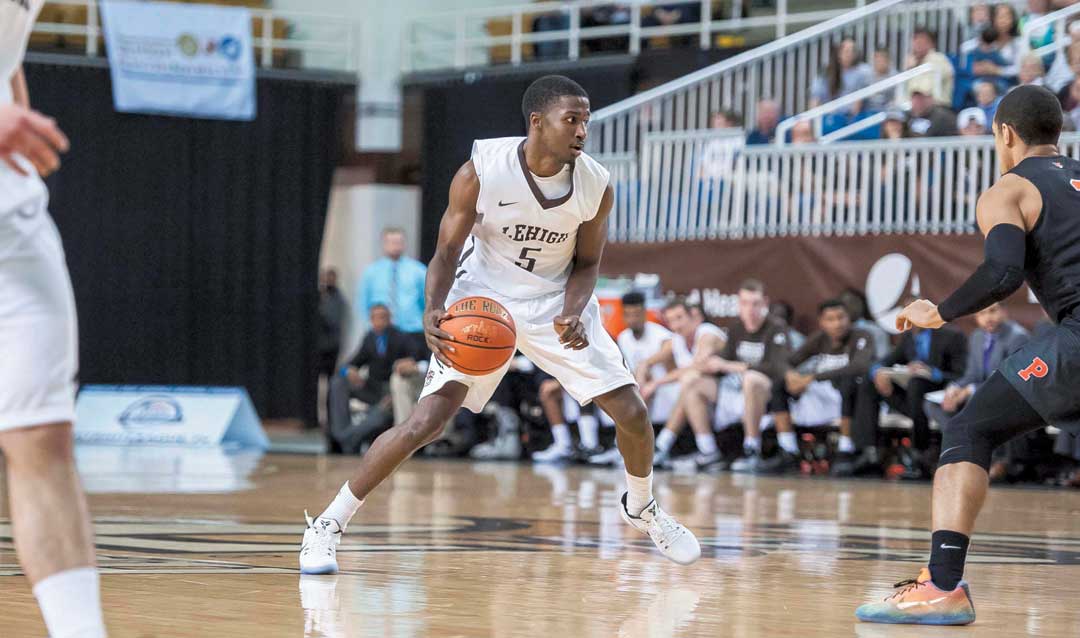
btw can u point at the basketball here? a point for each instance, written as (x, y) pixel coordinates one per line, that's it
(484, 335)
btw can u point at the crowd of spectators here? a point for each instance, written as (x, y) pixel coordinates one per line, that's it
(757, 397)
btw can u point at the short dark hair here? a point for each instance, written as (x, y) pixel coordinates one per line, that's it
(1034, 112)
(633, 298)
(829, 304)
(378, 306)
(547, 90)
(927, 32)
(752, 285)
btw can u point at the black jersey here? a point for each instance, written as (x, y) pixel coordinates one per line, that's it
(1052, 262)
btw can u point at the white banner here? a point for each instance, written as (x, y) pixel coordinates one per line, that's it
(181, 59)
(168, 415)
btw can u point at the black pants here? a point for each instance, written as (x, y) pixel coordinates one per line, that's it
(342, 431)
(908, 401)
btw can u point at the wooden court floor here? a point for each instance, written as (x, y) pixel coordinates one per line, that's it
(204, 544)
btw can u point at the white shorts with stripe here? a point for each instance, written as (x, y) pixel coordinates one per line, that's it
(584, 374)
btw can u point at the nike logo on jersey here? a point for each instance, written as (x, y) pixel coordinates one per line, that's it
(501, 204)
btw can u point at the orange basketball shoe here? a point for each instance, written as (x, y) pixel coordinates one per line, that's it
(920, 602)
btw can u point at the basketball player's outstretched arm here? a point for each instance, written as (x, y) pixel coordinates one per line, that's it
(29, 133)
(1004, 212)
(591, 237)
(457, 223)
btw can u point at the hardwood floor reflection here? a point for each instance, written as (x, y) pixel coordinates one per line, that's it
(204, 544)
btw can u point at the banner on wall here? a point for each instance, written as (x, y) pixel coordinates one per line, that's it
(804, 271)
(187, 416)
(181, 59)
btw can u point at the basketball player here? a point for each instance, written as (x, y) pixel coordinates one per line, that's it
(531, 216)
(38, 357)
(1032, 233)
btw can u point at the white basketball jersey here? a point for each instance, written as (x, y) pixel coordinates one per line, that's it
(523, 244)
(684, 353)
(16, 19)
(637, 350)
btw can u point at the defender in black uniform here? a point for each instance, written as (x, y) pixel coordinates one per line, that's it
(1031, 219)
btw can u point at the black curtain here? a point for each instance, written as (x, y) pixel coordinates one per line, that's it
(193, 244)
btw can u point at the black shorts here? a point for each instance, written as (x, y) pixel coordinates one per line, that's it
(1046, 372)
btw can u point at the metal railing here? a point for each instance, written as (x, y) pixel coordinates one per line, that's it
(781, 70)
(1058, 22)
(326, 41)
(707, 185)
(459, 39)
(815, 114)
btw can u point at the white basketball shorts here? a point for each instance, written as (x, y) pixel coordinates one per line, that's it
(584, 374)
(38, 329)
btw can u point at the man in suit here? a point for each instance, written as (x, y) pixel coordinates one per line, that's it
(995, 339)
(923, 361)
(384, 353)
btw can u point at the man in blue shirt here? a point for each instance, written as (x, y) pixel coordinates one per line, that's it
(923, 361)
(397, 282)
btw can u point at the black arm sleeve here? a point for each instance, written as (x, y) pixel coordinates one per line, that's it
(1000, 275)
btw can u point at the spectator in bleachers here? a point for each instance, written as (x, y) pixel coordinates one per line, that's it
(672, 13)
(927, 118)
(384, 352)
(768, 117)
(608, 15)
(1008, 43)
(845, 73)
(693, 342)
(822, 380)
(987, 98)
(1071, 105)
(882, 69)
(858, 309)
(995, 339)
(1039, 37)
(332, 315)
(803, 133)
(985, 61)
(895, 126)
(1065, 67)
(551, 49)
(1032, 70)
(397, 282)
(784, 313)
(738, 381)
(923, 361)
(725, 119)
(978, 20)
(971, 121)
(923, 51)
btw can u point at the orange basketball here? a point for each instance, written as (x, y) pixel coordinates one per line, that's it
(484, 335)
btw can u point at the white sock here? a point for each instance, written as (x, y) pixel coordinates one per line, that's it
(343, 507)
(70, 602)
(706, 443)
(562, 435)
(638, 492)
(752, 443)
(665, 440)
(845, 445)
(788, 442)
(588, 427)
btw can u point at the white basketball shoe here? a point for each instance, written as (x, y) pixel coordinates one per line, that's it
(318, 553)
(670, 536)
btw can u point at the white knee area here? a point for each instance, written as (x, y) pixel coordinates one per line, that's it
(70, 602)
